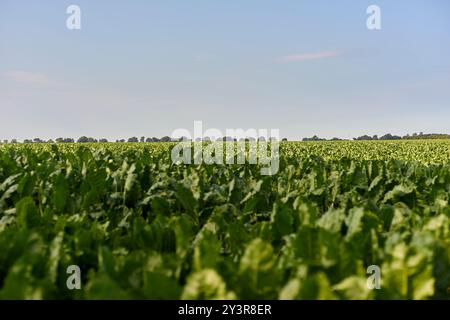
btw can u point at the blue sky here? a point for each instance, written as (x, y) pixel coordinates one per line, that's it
(149, 67)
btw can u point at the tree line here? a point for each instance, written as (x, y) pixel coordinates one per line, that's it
(414, 136)
(84, 139)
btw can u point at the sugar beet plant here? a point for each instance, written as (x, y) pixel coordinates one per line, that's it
(140, 227)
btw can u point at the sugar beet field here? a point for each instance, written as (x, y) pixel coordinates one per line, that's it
(138, 226)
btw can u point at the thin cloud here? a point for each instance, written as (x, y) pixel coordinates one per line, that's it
(28, 78)
(310, 56)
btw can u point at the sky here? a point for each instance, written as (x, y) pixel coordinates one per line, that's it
(147, 68)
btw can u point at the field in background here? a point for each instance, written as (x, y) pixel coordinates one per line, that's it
(141, 227)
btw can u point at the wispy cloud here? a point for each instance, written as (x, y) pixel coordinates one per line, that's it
(310, 56)
(28, 78)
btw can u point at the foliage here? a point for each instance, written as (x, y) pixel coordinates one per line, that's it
(141, 227)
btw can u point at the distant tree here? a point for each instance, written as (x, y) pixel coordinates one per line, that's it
(83, 139)
(65, 140)
(14, 141)
(103, 140)
(364, 137)
(27, 141)
(165, 139)
(428, 136)
(142, 139)
(284, 139)
(390, 137)
(50, 141)
(155, 139)
(314, 138)
(133, 139)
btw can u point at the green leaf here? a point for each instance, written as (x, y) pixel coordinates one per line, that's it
(60, 192)
(282, 220)
(354, 288)
(206, 285)
(102, 287)
(257, 270)
(158, 286)
(27, 213)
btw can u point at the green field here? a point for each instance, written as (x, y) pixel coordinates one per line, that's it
(140, 227)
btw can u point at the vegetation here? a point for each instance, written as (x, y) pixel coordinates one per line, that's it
(139, 226)
(387, 137)
(84, 139)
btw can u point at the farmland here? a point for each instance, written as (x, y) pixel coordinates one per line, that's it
(140, 227)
